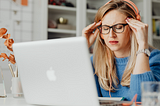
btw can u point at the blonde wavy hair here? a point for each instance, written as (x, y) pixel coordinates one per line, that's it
(103, 57)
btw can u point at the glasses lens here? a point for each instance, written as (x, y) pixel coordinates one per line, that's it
(118, 28)
(105, 29)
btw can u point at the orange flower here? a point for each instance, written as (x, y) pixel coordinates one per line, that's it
(11, 58)
(4, 56)
(2, 32)
(7, 36)
(10, 49)
(9, 43)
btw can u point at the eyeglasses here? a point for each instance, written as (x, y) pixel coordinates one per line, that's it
(117, 28)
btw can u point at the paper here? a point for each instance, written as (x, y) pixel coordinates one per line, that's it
(24, 2)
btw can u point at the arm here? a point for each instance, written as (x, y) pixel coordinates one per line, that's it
(145, 69)
(142, 63)
(141, 32)
(153, 75)
(88, 33)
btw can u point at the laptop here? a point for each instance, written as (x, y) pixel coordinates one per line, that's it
(56, 72)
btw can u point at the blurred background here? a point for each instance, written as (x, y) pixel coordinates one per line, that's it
(30, 20)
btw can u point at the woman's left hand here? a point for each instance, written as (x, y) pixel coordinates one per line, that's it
(141, 31)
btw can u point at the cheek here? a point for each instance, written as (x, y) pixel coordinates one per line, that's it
(126, 34)
(106, 40)
(125, 39)
(128, 31)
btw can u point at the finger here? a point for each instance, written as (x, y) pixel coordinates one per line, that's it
(136, 22)
(93, 36)
(97, 24)
(96, 32)
(133, 29)
(91, 27)
(132, 24)
(137, 26)
(141, 25)
(88, 29)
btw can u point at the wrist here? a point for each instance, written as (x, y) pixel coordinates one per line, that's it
(145, 51)
(143, 46)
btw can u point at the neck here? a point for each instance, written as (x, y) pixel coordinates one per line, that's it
(122, 53)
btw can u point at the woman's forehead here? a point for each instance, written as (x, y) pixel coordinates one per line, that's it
(113, 17)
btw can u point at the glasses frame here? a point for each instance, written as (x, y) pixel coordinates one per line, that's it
(100, 28)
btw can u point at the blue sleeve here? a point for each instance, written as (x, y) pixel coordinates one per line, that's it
(154, 63)
(153, 75)
(96, 80)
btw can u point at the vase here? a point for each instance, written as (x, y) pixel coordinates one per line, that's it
(16, 87)
(2, 85)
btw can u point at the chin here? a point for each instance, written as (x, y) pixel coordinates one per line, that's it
(114, 49)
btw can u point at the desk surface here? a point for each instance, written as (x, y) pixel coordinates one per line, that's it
(11, 101)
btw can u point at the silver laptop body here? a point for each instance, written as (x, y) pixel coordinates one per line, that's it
(56, 72)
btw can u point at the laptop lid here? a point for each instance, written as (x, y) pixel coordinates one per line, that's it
(56, 72)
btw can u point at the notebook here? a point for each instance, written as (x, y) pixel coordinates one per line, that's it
(56, 72)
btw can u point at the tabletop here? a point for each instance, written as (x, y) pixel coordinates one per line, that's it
(13, 101)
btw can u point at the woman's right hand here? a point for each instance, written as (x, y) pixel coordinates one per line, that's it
(87, 32)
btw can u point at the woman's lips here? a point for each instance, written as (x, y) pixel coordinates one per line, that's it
(113, 42)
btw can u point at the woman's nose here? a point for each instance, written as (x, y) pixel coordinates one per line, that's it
(112, 34)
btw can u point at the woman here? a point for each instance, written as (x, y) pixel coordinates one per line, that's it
(121, 57)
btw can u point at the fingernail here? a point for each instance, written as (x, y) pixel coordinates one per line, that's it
(127, 20)
(99, 22)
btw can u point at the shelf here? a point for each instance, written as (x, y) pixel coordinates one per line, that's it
(90, 11)
(61, 31)
(155, 17)
(156, 37)
(156, 1)
(62, 9)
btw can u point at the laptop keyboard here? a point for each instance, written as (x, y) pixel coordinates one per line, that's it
(112, 103)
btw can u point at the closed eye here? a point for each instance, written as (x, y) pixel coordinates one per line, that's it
(119, 26)
(105, 28)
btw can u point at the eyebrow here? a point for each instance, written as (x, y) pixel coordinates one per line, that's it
(115, 24)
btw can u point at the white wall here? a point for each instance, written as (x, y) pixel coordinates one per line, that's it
(18, 20)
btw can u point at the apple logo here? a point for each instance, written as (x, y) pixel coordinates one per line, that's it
(51, 74)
